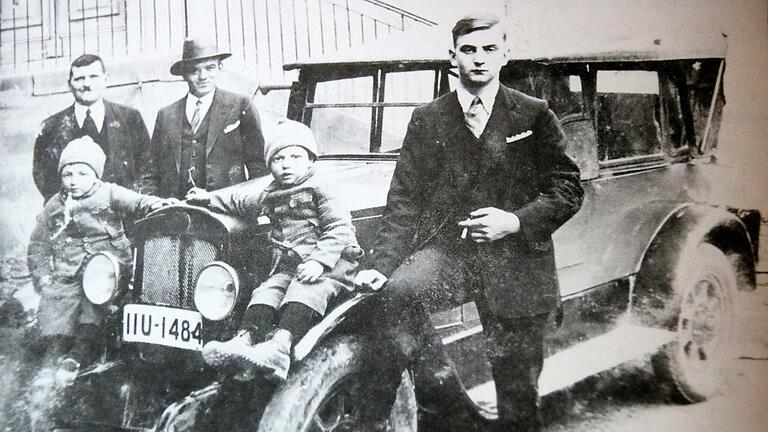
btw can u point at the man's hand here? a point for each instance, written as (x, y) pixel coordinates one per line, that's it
(490, 224)
(370, 280)
(198, 196)
(163, 203)
(309, 272)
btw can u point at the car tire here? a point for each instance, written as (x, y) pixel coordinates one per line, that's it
(705, 285)
(320, 394)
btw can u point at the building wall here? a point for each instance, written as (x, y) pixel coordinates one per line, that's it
(262, 34)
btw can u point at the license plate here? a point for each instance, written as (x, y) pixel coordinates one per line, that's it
(160, 325)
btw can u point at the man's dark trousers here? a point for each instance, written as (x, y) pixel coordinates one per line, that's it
(442, 275)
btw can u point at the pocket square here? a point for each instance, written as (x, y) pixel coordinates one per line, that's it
(231, 127)
(519, 136)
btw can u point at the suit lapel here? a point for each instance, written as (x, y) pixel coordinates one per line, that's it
(70, 124)
(177, 129)
(113, 124)
(502, 120)
(453, 120)
(517, 121)
(219, 109)
(460, 147)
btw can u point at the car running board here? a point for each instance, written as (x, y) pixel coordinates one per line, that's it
(571, 365)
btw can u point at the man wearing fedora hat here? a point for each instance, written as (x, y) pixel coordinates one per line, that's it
(210, 138)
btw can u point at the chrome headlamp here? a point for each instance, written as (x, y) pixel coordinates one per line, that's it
(101, 277)
(216, 290)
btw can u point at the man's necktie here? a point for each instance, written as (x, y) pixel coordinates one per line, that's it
(89, 126)
(196, 120)
(476, 117)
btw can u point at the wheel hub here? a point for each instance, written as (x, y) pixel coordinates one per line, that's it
(701, 319)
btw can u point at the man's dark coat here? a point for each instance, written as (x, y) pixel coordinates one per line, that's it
(127, 148)
(531, 176)
(234, 142)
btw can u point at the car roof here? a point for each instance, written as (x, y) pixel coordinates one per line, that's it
(430, 45)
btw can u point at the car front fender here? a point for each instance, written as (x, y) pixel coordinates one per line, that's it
(350, 310)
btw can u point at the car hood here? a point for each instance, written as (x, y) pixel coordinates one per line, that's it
(361, 185)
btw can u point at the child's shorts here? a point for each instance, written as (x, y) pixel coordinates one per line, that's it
(282, 288)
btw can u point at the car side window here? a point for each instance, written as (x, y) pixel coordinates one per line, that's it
(566, 96)
(701, 79)
(673, 122)
(403, 91)
(628, 112)
(567, 101)
(368, 114)
(340, 118)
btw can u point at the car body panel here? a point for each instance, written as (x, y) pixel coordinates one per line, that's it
(630, 208)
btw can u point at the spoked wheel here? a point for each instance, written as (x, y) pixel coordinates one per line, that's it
(325, 394)
(340, 410)
(695, 359)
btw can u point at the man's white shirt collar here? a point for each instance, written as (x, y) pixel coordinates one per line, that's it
(97, 113)
(487, 96)
(206, 100)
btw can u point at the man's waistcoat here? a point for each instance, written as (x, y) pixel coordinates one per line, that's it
(193, 155)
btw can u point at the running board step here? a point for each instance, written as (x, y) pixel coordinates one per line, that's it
(585, 359)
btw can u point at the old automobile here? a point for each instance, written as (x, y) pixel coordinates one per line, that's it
(650, 266)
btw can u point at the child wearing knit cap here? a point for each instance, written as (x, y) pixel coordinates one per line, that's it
(82, 219)
(314, 255)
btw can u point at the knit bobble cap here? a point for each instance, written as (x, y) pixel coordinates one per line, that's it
(287, 133)
(83, 150)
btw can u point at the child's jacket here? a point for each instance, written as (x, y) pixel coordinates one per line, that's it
(306, 217)
(94, 225)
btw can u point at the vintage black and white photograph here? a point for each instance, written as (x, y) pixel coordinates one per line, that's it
(383, 215)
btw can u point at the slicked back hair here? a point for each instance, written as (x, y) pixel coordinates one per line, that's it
(85, 60)
(471, 23)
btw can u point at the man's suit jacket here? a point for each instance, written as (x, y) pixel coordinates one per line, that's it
(127, 148)
(532, 177)
(234, 142)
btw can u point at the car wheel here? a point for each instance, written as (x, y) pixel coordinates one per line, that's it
(705, 285)
(324, 394)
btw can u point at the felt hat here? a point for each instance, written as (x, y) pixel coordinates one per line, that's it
(83, 150)
(194, 51)
(287, 133)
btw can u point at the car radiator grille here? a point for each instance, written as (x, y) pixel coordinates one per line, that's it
(171, 265)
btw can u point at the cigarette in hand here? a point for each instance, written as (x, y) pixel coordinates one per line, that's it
(465, 231)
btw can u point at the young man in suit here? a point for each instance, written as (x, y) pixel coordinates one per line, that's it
(210, 138)
(479, 229)
(119, 130)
